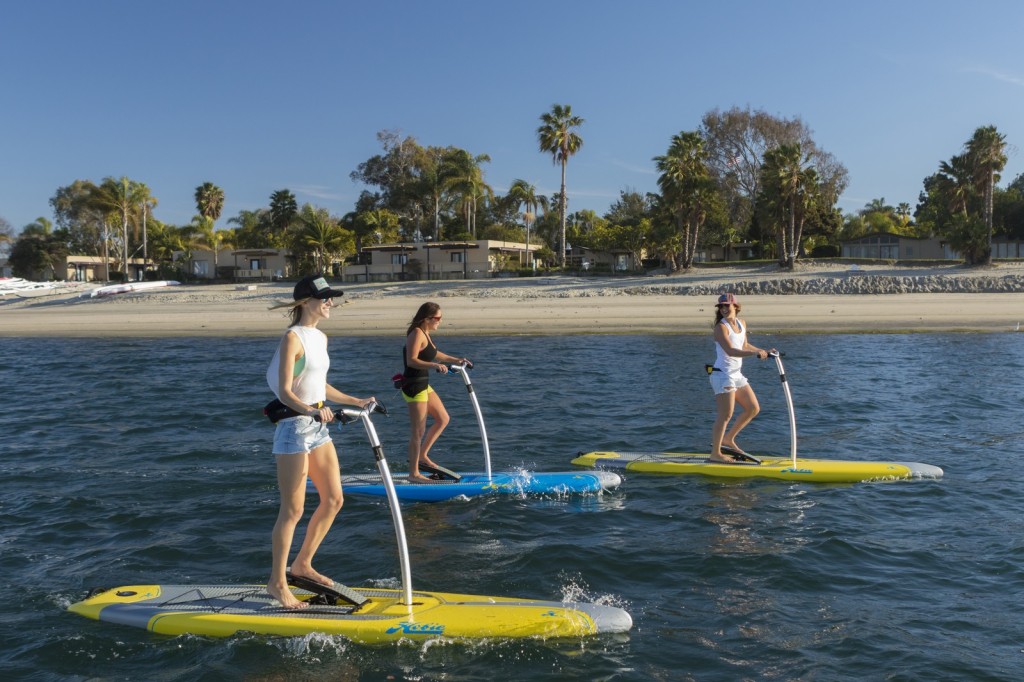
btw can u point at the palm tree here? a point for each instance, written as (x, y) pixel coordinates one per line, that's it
(122, 198)
(466, 178)
(147, 202)
(557, 135)
(209, 236)
(792, 190)
(526, 196)
(40, 227)
(209, 200)
(323, 234)
(987, 152)
(283, 210)
(903, 214)
(687, 188)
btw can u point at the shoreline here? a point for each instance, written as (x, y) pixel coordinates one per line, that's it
(560, 305)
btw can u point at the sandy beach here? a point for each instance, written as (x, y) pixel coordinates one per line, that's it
(550, 305)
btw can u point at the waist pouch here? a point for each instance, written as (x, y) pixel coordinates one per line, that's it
(711, 368)
(275, 411)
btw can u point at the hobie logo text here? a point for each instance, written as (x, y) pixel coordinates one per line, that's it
(417, 629)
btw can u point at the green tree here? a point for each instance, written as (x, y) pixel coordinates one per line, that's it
(252, 229)
(209, 201)
(737, 140)
(790, 191)
(320, 235)
(121, 199)
(558, 136)
(525, 195)
(987, 153)
(40, 227)
(688, 190)
(35, 256)
(465, 178)
(284, 210)
(206, 234)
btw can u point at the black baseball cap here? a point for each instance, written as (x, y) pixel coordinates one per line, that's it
(315, 286)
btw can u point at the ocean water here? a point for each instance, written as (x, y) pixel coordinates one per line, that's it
(147, 460)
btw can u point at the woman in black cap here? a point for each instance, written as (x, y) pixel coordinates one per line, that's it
(303, 446)
(728, 382)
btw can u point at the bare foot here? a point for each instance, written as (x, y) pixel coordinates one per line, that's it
(723, 459)
(285, 596)
(419, 478)
(310, 574)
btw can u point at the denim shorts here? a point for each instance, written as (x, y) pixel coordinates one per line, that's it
(299, 435)
(723, 381)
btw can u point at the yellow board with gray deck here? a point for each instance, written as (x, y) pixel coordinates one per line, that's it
(223, 610)
(781, 468)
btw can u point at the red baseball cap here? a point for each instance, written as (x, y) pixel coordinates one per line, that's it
(727, 298)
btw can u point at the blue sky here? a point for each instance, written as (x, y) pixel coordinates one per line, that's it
(255, 96)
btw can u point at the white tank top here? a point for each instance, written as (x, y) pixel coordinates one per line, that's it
(724, 361)
(310, 379)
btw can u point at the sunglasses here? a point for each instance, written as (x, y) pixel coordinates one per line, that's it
(435, 317)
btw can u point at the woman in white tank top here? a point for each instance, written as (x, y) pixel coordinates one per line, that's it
(302, 446)
(728, 382)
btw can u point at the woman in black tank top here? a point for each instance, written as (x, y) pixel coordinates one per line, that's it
(419, 357)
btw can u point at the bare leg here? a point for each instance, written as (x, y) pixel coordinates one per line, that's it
(417, 426)
(748, 401)
(326, 476)
(725, 404)
(436, 410)
(291, 480)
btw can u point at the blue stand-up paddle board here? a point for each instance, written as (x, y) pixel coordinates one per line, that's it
(446, 484)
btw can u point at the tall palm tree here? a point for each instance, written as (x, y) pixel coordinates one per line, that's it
(792, 189)
(526, 195)
(122, 198)
(210, 203)
(283, 211)
(557, 135)
(687, 187)
(466, 178)
(987, 152)
(147, 202)
(209, 200)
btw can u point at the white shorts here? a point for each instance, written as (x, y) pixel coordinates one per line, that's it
(723, 382)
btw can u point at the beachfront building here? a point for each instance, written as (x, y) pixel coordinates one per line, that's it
(888, 246)
(236, 264)
(91, 269)
(477, 259)
(585, 259)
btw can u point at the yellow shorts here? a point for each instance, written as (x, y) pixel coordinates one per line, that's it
(420, 397)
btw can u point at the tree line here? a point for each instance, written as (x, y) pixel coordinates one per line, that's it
(743, 177)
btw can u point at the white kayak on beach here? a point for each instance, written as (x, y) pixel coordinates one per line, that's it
(131, 287)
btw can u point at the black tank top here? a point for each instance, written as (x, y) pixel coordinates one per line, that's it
(417, 380)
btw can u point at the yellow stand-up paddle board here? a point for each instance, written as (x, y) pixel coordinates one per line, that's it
(367, 615)
(782, 468)
(790, 468)
(223, 610)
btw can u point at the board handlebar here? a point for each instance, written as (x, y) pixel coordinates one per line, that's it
(346, 414)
